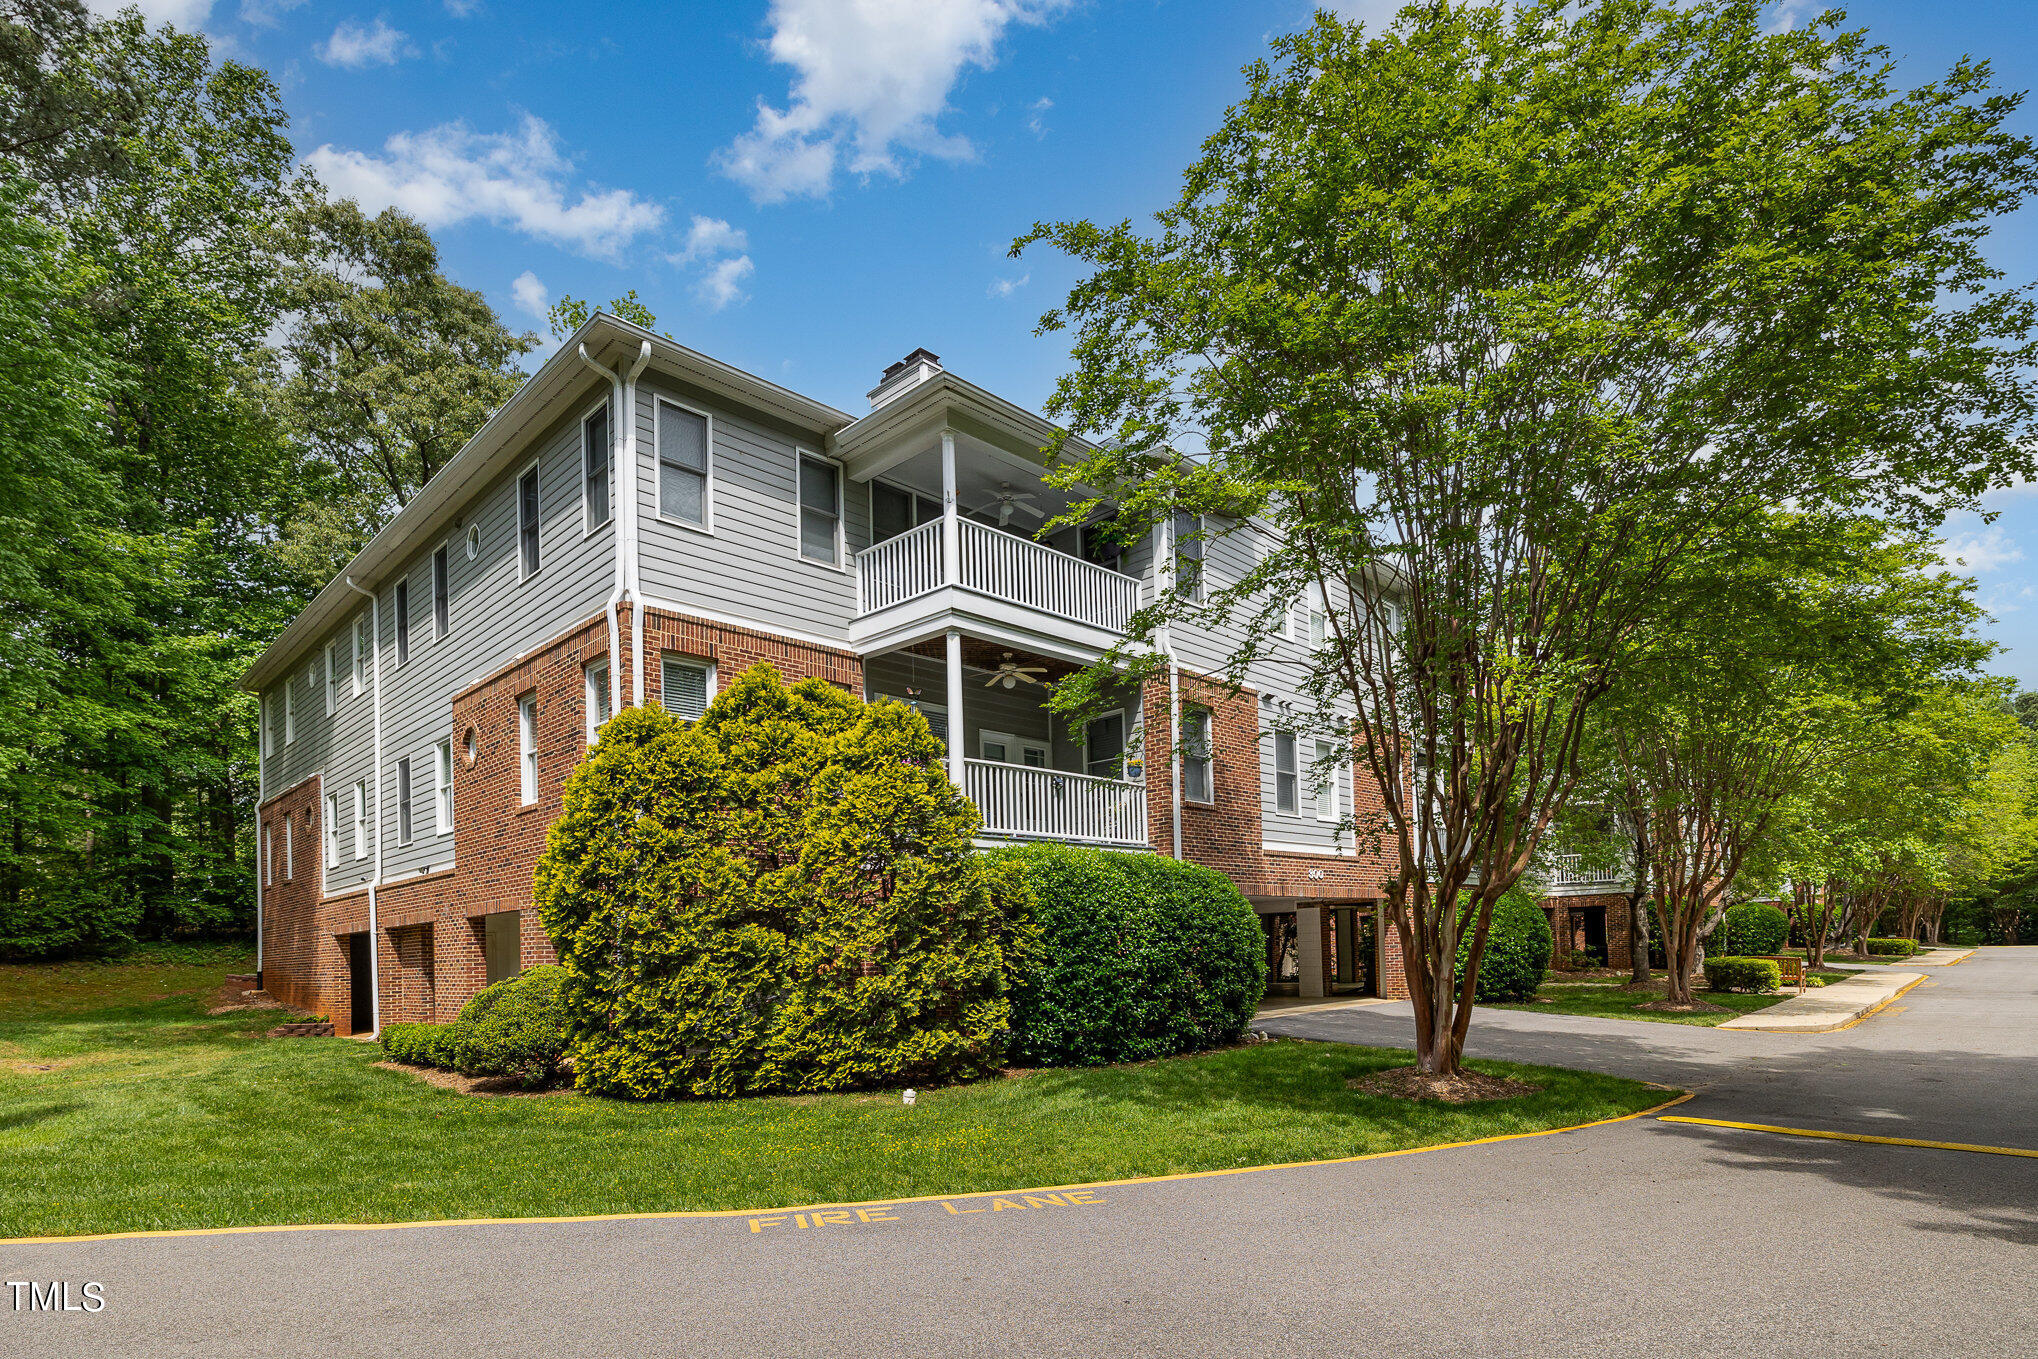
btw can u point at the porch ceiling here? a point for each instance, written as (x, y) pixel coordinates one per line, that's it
(978, 654)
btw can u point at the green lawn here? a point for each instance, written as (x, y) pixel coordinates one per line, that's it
(1604, 998)
(143, 1113)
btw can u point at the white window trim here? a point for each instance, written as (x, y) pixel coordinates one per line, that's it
(595, 689)
(1126, 755)
(406, 789)
(399, 621)
(360, 819)
(432, 569)
(589, 528)
(1295, 747)
(267, 718)
(707, 524)
(1018, 745)
(332, 830)
(358, 674)
(442, 787)
(289, 850)
(289, 714)
(1328, 789)
(1202, 558)
(268, 856)
(1190, 715)
(527, 748)
(687, 658)
(517, 507)
(841, 562)
(332, 677)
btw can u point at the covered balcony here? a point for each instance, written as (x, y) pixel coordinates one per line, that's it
(1030, 776)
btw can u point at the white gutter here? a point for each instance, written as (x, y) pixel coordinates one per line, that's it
(374, 932)
(1164, 562)
(617, 591)
(636, 588)
(261, 795)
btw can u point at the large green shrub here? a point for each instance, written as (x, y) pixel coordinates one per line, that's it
(1136, 957)
(423, 1044)
(1753, 928)
(1518, 945)
(1727, 973)
(778, 897)
(1893, 948)
(516, 1027)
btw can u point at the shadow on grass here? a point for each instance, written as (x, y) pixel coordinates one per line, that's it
(33, 1114)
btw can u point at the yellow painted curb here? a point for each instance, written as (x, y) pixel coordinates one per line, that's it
(807, 1207)
(1878, 1008)
(1853, 1137)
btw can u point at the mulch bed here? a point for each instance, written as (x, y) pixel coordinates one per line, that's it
(502, 1086)
(1467, 1087)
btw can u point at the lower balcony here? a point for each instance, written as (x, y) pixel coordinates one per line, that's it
(1019, 802)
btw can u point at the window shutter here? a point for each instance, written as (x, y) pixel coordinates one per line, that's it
(683, 689)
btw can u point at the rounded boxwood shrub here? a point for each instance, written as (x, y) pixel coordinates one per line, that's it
(422, 1044)
(516, 1027)
(1893, 948)
(1728, 973)
(1136, 957)
(1518, 946)
(1753, 928)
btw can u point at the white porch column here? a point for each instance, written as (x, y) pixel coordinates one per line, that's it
(1309, 950)
(956, 749)
(951, 530)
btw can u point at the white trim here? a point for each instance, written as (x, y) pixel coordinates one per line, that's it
(1283, 847)
(687, 658)
(587, 530)
(332, 678)
(442, 787)
(1189, 712)
(517, 499)
(707, 523)
(594, 688)
(1018, 745)
(289, 848)
(1331, 788)
(361, 819)
(399, 621)
(268, 856)
(406, 789)
(750, 624)
(1124, 747)
(359, 669)
(289, 713)
(446, 547)
(1294, 772)
(841, 562)
(332, 820)
(527, 748)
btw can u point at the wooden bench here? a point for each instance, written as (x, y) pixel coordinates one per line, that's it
(1789, 970)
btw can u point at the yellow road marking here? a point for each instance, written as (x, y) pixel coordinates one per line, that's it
(739, 1213)
(1852, 1137)
(1870, 1014)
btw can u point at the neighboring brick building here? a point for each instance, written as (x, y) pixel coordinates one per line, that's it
(420, 717)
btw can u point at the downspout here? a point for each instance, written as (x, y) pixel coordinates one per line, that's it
(636, 586)
(616, 591)
(1163, 560)
(374, 932)
(261, 796)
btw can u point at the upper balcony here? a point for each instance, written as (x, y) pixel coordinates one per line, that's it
(1568, 878)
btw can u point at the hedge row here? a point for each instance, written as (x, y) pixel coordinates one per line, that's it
(1893, 948)
(513, 1028)
(1727, 973)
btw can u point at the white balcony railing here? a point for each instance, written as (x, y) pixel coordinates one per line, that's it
(1566, 873)
(1049, 804)
(1000, 565)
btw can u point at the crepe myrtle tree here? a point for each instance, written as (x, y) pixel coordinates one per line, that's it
(1504, 311)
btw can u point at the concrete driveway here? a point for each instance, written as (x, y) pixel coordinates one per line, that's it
(1638, 1238)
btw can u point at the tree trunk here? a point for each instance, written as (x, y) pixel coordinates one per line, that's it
(1638, 940)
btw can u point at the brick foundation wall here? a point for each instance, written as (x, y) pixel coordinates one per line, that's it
(1568, 933)
(304, 951)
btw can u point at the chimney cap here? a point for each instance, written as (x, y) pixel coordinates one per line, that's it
(921, 355)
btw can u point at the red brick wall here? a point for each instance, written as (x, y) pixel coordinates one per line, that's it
(1569, 934)
(304, 954)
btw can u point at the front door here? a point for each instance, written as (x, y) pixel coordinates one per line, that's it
(361, 979)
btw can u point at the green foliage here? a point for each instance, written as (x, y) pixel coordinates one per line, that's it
(1754, 927)
(569, 313)
(1518, 946)
(516, 1027)
(1726, 973)
(436, 1045)
(1137, 957)
(1893, 948)
(779, 897)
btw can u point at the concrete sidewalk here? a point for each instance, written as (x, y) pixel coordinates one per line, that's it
(1942, 957)
(1830, 1007)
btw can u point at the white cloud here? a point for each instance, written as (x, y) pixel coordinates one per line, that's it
(1005, 287)
(451, 174)
(532, 295)
(266, 13)
(871, 78)
(717, 250)
(187, 15)
(463, 9)
(1980, 553)
(358, 48)
(1036, 115)
(723, 283)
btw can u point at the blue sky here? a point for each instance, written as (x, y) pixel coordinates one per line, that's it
(811, 188)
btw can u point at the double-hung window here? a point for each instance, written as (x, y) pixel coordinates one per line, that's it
(289, 713)
(442, 592)
(1286, 777)
(268, 855)
(527, 745)
(403, 801)
(684, 451)
(1189, 556)
(1327, 780)
(596, 447)
(268, 726)
(683, 688)
(1196, 758)
(597, 683)
(289, 850)
(527, 522)
(442, 785)
(820, 493)
(332, 678)
(332, 830)
(361, 818)
(403, 622)
(361, 653)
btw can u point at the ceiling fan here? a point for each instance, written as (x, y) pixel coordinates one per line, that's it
(1008, 500)
(1010, 672)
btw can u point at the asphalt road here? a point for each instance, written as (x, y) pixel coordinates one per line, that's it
(1638, 1238)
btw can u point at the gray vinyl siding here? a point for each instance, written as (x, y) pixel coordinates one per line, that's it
(340, 748)
(495, 616)
(749, 567)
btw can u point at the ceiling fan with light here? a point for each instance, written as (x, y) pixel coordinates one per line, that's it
(1006, 501)
(1010, 672)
